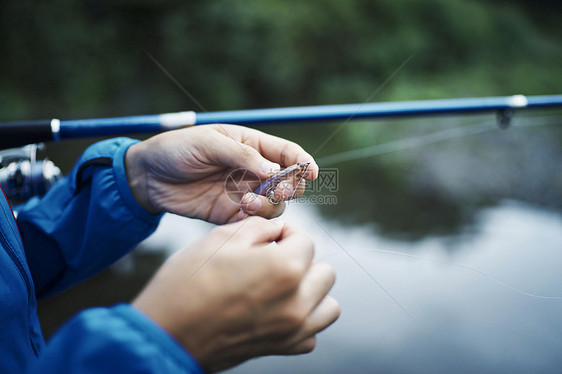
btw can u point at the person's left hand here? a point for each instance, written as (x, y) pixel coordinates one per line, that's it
(190, 171)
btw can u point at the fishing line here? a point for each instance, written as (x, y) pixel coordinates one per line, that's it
(488, 276)
(363, 268)
(422, 140)
(188, 94)
(370, 98)
(419, 141)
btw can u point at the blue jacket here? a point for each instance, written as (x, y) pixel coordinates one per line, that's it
(86, 222)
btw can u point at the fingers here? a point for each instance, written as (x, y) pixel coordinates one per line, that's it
(254, 230)
(237, 155)
(256, 205)
(327, 312)
(285, 152)
(273, 148)
(288, 190)
(316, 284)
(252, 204)
(270, 207)
(299, 293)
(323, 310)
(304, 346)
(296, 245)
(243, 148)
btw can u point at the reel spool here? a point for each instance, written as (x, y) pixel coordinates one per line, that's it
(23, 177)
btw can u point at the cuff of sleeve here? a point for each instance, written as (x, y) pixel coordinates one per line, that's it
(123, 185)
(155, 333)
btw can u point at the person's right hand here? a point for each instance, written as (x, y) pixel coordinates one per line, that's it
(232, 296)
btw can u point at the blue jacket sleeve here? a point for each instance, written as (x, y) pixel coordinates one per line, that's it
(113, 340)
(87, 221)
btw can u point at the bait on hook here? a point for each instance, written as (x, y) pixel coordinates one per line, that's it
(289, 174)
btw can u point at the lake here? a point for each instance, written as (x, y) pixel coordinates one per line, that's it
(461, 320)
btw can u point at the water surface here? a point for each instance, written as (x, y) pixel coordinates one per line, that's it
(462, 321)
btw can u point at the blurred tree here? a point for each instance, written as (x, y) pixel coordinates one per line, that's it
(78, 59)
(88, 58)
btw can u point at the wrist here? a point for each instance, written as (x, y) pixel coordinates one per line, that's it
(137, 177)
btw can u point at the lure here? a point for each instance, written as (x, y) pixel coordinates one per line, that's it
(290, 173)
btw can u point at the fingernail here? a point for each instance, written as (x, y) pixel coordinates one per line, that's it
(270, 168)
(250, 202)
(242, 215)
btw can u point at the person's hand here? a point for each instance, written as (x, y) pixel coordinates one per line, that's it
(234, 296)
(187, 172)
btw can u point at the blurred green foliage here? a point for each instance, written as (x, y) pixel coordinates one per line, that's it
(93, 58)
(90, 58)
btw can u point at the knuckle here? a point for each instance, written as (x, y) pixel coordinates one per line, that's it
(248, 153)
(288, 273)
(309, 345)
(283, 155)
(238, 230)
(294, 318)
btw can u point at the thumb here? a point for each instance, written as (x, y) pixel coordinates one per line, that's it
(239, 155)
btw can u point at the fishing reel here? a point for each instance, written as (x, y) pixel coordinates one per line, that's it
(22, 176)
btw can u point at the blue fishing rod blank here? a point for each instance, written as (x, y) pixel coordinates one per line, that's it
(19, 133)
(377, 110)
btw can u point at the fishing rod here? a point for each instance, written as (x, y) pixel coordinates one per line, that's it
(15, 134)
(23, 176)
